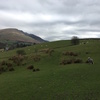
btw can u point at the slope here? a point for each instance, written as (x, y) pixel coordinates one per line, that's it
(53, 81)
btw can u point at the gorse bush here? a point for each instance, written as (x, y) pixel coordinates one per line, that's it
(78, 60)
(17, 59)
(2, 69)
(37, 69)
(70, 53)
(30, 67)
(3, 62)
(47, 51)
(36, 58)
(6, 66)
(9, 65)
(70, 61)
(11, 69)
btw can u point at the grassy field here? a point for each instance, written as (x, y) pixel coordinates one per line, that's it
(76, 81)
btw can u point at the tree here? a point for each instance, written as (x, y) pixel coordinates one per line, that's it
(75, 40)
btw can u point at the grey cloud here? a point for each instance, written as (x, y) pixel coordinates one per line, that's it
(52, 19)
(89, 30)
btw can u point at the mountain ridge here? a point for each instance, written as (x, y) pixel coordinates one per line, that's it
(13, 34)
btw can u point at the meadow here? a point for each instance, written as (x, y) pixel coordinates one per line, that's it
(53, 80)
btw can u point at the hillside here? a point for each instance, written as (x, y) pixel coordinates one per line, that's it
(48, 79)
(18, 35)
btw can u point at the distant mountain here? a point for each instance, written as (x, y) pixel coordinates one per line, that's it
(34, 37)
(12, 34)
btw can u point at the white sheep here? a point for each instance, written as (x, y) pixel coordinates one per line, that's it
(90, 60)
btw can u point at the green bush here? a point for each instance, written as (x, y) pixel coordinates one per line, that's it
(20, 52)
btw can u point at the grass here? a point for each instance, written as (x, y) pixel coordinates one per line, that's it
(53, 81)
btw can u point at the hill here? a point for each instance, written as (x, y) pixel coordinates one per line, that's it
(47, 78)
(11, 34)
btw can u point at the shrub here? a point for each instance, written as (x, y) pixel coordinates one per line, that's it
(75, 54)
(63, 62)
(9, 64)
(20, 52)
(36, 58)
(70, 61)
(11, 69)
(24, 64)
(78, 61)
(87, 61)
(47, 51)
(3, 68)
(87, 52)
(30, 67)
(17, 59)
(3, 62)
(37, 69)
(70, 53)
(51, 51)
(34, 70)
(66, 53)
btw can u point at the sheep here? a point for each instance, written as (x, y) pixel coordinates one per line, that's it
(90, 60)
(1, 50)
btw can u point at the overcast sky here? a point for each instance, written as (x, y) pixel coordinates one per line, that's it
(52, 19)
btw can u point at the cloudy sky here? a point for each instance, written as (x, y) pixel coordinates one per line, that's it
(52, 19)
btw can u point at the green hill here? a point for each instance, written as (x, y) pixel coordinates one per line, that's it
(52, 80)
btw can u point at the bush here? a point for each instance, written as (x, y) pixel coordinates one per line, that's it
(3, 69)
(17, 59)
(87, 61)
(9, 64)
(36, 58)
(51, 51)
(78, 61)
(66, 53)
(70, 53)
(63, 62)
(3, 62)
(20, 52)
(87, 52)
(30, 67)
(37, 69)
(34, 70)
(11, 69)
(70, 61)
(47, 51)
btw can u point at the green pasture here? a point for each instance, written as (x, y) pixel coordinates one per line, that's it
(79, 81)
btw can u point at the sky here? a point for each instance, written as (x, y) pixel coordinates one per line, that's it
(52, 19)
